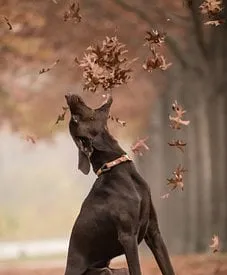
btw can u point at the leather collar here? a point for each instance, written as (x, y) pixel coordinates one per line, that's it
(108, 165)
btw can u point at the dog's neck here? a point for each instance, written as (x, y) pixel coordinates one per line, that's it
(110, 152)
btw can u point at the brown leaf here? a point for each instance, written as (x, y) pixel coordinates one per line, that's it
(116, 119)
(73, 13)
(177, 179)
(105, 65)
(215, 244)
(215, 22)
(139, 146)
(165, 196)
(211, 7)
(156, 61)
(8, 23)
(44, 70)
(61, 117)
(76, 60)
(179, 144)
(177, 120)
(154, 37)
(30, 138)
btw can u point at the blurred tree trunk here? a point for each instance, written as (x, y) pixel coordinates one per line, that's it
(224, 187)
(203, 178)
(191, 194)
(156, 165)
(217, 131)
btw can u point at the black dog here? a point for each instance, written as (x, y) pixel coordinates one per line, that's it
(118, 212)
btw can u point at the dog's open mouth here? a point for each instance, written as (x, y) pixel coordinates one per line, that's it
(85, 144)
(77, 105)
(73, 99)
(84, 141)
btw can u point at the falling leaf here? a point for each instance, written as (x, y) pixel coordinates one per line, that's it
(215, 244)
(76, 60)
(44, 70)
(179, 144)
(30, 138)
(211, 7)
(156, 61)
(165, 196)
(61, 117)
(8, 23)
(139, 146)
(73, 13)
(215, 22)
(177, 180)
(177, 120)
(105, 65)
(154, 37)
(116, 119)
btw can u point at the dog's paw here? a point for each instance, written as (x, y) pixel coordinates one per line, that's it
(120, 271)
(99, 271)
(107, 271)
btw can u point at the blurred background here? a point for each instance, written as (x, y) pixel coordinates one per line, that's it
(41, 190)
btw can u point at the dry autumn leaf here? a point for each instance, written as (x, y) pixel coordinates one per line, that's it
(117, 119)
(165, 196)
(154, 37)
(211, 7)
(106, 65)
(30, 138)
(139, 146)
(177, 180)
(73, 13)
(44, 70)
(177, 120)
(8, 23)
(215, 244)
(156, 61)
(215, 22)
(179, 144)
(61, 117)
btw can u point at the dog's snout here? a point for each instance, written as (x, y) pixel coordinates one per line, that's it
(68, 95)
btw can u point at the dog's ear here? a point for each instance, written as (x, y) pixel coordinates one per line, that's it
(103, 111)
(84, 163)
(83, 155)
(85, 150)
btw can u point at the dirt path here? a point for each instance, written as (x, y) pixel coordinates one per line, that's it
(184, 265)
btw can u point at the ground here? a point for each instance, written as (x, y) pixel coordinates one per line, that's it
(184, 265)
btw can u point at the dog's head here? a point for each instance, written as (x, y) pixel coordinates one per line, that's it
(86, 127)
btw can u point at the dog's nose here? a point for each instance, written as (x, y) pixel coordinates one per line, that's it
(68, 95)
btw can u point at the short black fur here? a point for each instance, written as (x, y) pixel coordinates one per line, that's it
(118, 212)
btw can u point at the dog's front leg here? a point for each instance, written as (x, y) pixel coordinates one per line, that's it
(130, 245)
(155, 242)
